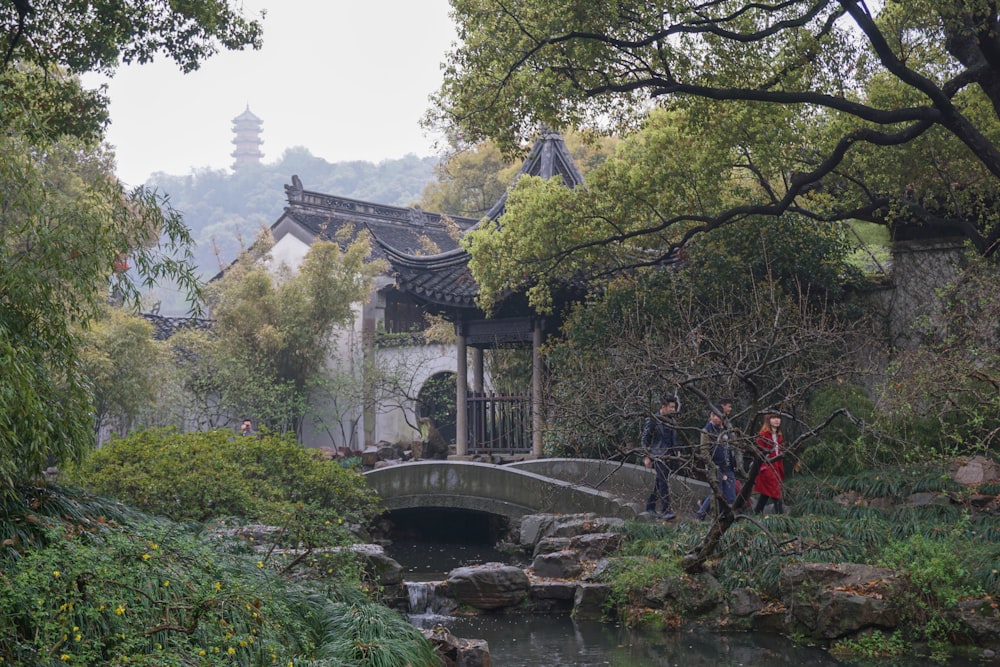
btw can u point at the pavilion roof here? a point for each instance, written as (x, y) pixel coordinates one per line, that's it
(408, 229)
(444, 279)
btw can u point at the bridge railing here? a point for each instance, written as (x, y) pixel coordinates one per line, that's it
(499, 424)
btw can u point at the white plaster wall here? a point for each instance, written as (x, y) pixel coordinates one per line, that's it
(338, 420)
(288, 250)
(415, 363)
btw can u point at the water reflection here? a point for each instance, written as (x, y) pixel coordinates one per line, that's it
(556, 641)
(548, 641)
(432, 561)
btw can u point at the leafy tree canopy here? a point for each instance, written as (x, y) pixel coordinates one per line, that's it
(471, 179)
(99, 36)
(67, 225)
(275, 326)
(827, 108)
(550, 234)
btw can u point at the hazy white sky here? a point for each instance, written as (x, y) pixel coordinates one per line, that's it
(347, 79)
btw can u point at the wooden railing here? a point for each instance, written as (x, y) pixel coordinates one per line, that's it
(499, 424)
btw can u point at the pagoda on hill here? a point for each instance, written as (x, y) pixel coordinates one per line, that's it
(246, 127)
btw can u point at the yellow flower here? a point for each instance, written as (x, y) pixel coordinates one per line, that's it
(78, 636)
(101, 608)
(56, 574)
(231, 650)
(146, 556)
(75, 628)
(260, 564)
(120, 610)
(202, 652)
(218, 585)
(153, 545)
(166, 583)
(64, 657)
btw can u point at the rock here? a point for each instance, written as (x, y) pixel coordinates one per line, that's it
(369, 456)
(456, 652)
(535, 527)
(489, 586)
(832, 600)
(589, 600)
(744, 602)
(925, 498)
(574, 525)
(684, 594)
(980, 621)
(384, 569)
(548, 545)
(552, 597)
(974, 471)
(553, 590)
(595, 546)
(563, 564)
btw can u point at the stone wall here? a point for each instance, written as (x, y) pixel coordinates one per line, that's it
(910, 305)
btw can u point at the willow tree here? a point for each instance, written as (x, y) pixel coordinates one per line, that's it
(68, 227)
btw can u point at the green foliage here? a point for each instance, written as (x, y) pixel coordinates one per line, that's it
(829, 110)
(66, 222)
(940, 397)
(96, 584)
(370, 635)
(100, 36)
(845, 446)
(875, 644)
(209, 475)
(472, 179)
(123, 365)
(274, 330)
(693, 333)
(935, 579)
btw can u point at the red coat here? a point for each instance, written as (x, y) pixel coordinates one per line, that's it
(772, 473)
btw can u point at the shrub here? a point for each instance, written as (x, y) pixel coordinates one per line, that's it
(210, 475)
(936, 577)
(843, 447)
(91, 583)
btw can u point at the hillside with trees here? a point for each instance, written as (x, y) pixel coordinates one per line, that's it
(225, 210)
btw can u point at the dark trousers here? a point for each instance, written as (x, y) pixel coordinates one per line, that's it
(779, 507)
(661, 488)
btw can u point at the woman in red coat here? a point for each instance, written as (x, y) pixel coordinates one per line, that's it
(772, 472)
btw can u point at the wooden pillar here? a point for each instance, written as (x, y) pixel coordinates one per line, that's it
(477, 370)
(461, 398)
(536, 389)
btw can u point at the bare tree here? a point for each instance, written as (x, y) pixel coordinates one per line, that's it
(767, 349)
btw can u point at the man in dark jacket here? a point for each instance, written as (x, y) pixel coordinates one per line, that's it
(715, 439)
(659, 442)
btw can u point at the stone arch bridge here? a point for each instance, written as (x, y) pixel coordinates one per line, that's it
(540, 486)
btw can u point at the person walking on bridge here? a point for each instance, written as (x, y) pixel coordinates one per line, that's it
(659, 443)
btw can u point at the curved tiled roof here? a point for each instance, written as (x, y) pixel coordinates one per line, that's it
(409, 230)
(165, 327)
(444, 279)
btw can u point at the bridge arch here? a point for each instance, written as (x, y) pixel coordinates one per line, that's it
(486, 487)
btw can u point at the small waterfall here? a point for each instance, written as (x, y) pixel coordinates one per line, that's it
(425, 607)
(421, 595)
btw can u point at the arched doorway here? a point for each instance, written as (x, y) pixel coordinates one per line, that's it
(436, 402)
